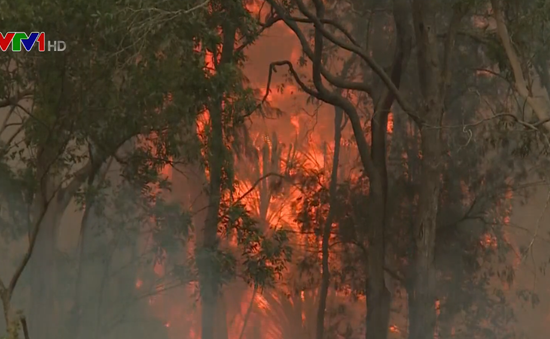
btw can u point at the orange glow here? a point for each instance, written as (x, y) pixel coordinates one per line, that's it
(484, 73)
(158, 268)
(269, 97)
(394, 329)
(390, 123)
(298, 131)
(489, 241)
(311, 139)
(296, 123)
(253, 6)
(209, 62)
(261, 303)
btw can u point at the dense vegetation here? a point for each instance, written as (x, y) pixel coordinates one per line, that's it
(143, 193)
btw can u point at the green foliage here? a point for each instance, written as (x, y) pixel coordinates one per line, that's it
(171, 226)
(264, 255)
(13, 331)
(128, 90)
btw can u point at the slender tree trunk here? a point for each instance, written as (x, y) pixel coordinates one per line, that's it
(422, 313)
(209, 274)
(90, 276)
(101, 296)
(433, 79)
(378, 294)
(248, 312)
(43, 262)
(92, 260)
(325, 282)
(79, 290)
(54, 200)
(43, 278)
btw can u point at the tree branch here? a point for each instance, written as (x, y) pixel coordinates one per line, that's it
(446, 70)
(273, 69)
(6, 293)
(331, 97)
(14, 100)
(349, 47)
(331, 78)
(540, 104)
(28, 254)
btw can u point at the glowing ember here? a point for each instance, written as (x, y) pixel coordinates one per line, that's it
(390, 123)
(394, 329)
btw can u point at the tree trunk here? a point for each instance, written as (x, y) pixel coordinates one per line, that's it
(91, 273)
(209, 274)
(325, 279)
(378, 295)
(43, 313)
(50, 201)
(422, 313)
(433, 80)
(207, 271)
(92, 261)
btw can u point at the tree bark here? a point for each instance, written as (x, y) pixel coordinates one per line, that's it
(208, 275)
(325, 278)
(422, 313)
(92, 260)
(43, 278)
(91, 273)
(378, 295)
(434, 79)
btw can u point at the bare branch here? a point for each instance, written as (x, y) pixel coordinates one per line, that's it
(25, 327)
(529, 248)
(6, 119)
(331, 22)
(28, 254)
(6, 293)
(194, 8)
(273, 69)
(14, 100)
(347, 46)
(322, 93)
(296, 77)
(331, 78)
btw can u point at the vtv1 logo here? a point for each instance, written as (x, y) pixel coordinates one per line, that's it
(20, 41)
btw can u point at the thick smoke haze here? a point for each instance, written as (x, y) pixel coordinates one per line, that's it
(121, 259)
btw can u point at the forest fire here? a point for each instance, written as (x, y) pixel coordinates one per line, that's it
(276, 170)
